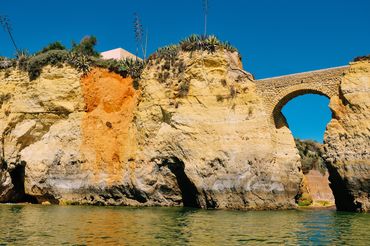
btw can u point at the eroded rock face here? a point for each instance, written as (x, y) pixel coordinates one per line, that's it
(6, 186)
(195, 134)
(31, 112)
(347, 140)
(204, 129)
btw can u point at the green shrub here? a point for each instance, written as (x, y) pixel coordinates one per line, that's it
(126, 67)
(304, 203)
(86, 47)
(52, 46)
(84, 63)
(112, 65)
(52, 57)
(305, 200)
(362, 58)
(82, 56)
(311, 154)
(183, 89)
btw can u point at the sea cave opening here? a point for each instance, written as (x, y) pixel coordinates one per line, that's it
(18, 175)
(189, 192)
(307, 115)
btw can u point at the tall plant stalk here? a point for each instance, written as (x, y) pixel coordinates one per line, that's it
(5, 22)
(139, 36)
(205, 11)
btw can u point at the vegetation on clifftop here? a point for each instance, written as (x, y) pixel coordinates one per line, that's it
(362, 58)
(171, 65)
(83, 57)
(209, 43)
(52, 46)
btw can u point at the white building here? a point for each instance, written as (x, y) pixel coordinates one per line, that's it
(118, 54)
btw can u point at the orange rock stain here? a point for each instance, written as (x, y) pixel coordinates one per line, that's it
(108, 135)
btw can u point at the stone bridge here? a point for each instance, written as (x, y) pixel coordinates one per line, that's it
(277, 91)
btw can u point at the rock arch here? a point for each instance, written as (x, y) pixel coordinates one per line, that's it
(277, 91)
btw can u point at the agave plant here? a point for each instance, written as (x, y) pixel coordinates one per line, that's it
(212, 40)
(227, 46)
(211, 43)
(80, 61)
(208, 43)
(168, 52)
(22, 58)
(192, 43)
(133, 67)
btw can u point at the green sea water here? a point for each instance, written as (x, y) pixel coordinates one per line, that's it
(79, 225)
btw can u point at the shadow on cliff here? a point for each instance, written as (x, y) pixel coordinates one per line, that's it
(188, 190)
(344, 200)
(18, 192)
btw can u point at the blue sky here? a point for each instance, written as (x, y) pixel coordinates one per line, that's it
(275, 37)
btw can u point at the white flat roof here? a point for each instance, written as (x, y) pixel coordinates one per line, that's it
(117, 54)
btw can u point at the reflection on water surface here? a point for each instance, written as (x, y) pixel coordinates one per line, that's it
(35, 225)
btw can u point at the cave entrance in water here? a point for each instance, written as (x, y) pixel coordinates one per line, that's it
(189, 192)
(17, 175)
(307, 116)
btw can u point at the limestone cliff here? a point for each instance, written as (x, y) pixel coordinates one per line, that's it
(48, 110)
(206, 141)
(347, 140)
(195, 134)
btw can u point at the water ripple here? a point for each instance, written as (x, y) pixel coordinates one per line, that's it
(77, 225)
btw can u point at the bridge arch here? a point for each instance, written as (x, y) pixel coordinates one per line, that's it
(278, 91)
(292, 92)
